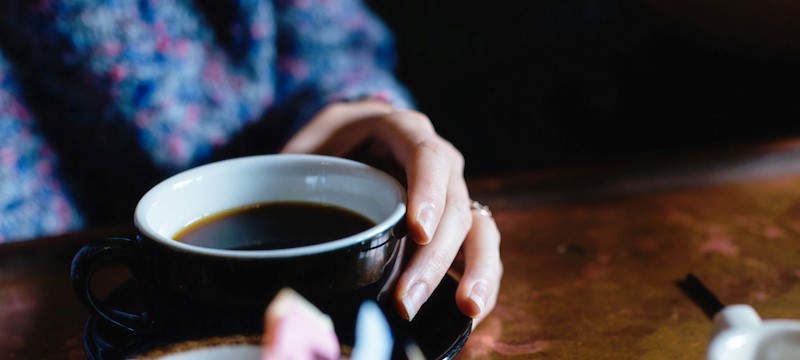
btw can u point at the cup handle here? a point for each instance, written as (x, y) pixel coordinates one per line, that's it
(92, 256)
(738, 316)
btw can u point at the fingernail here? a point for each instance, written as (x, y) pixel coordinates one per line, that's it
(413, 299)
(478, 295)
(426, 220)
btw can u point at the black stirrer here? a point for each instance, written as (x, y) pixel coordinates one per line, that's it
(700, 295)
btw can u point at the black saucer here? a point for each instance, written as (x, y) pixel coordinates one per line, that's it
(439, 329)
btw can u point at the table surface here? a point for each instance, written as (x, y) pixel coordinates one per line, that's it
(593, 256)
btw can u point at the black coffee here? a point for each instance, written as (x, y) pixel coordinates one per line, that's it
(274, 225)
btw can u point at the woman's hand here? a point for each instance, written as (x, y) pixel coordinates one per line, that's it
(447, 231)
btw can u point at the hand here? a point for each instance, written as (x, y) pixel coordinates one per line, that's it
(445, 230)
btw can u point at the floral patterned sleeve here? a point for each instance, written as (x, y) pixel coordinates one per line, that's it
(188, 76)
(99, 99)
(32, 199)
(335, 51)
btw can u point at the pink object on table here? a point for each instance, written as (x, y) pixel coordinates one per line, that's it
(296, 329)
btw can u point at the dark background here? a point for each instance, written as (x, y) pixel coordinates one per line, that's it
(524, 84)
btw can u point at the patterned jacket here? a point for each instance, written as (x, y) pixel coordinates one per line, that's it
(100, 99)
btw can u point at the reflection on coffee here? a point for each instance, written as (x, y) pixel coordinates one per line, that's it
(274, 225)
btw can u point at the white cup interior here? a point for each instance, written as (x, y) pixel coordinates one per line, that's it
(194, 194)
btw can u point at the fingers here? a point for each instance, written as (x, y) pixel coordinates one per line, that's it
(479, 284)
(430, 263)
(337, 129)
(439, 218)
(429, 175)
(477, 291)
(438, 214)
(432, 165)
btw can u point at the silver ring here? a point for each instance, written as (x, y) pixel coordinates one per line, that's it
(482, 209)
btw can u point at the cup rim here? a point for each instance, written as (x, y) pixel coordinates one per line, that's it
(387, 224)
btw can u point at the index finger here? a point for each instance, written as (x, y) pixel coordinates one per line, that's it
(429, 162)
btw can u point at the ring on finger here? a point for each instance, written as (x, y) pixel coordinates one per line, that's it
(482, 209)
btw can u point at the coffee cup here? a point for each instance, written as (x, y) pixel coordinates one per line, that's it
(741, 334)
(229, 282)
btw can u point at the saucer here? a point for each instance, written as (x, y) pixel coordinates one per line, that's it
(439, 329)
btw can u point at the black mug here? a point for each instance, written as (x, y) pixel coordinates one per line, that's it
(180, 285)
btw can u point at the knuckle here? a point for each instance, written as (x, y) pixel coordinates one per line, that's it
(463, 214)
(415, 118)
(427, 145)
(500, 268)
(439, 261)
(445, 150)
(457, 156)
(427, 141)
(440, 148)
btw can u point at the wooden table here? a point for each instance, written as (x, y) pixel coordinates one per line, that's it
(592, 258)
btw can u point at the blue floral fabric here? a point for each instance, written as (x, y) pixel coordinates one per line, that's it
(101, 99)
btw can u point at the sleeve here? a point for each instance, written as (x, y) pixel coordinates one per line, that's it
(181, 81)
(33, 201)
(136, 77)
(333, 51)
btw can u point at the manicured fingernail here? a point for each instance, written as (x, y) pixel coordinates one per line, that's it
(413, 299)
(478, 295)
(426, 220)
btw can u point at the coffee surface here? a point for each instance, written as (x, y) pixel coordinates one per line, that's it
(275, 225)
